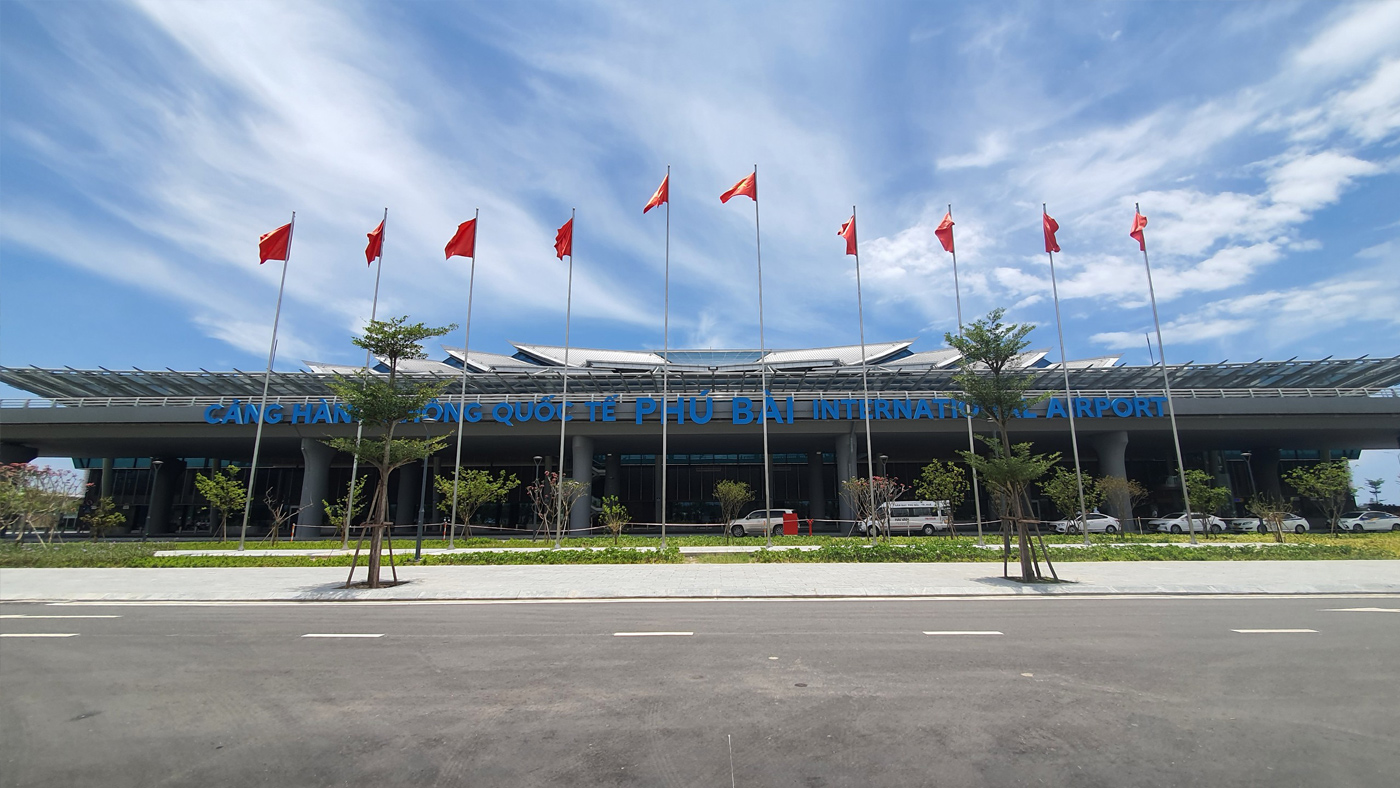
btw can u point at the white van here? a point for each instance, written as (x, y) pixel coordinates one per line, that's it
(908, 517)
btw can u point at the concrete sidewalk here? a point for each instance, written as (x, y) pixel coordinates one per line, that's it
(699, 581)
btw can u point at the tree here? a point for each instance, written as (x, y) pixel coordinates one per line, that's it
(282, 514)
(733, 496)
(615, 516)
(1374, 487)
(224, 492)
(381, 402)
(34, 498)
(1270, 509)
(1328, 484)
(942, 481)
(1206, 496)
(103, 518)
(475, 488)
(870, 499)
(1117, 488)
(989, 352)
(354, 499)
(553, 498)
(1062, 488)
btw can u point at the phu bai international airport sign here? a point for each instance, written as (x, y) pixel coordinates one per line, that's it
(682, 410)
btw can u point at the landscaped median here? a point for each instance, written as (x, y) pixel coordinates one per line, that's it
(645, 550)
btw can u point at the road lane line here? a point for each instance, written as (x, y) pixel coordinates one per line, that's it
(1362, 610)
(651, 634)
(1272, 631)
(965, 632)
(26, 615)
(38, 634)
(343, 635)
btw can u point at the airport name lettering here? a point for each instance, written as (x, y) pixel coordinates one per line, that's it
(694, 410)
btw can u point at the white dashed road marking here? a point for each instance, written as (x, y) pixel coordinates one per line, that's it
(38, 634)
(25, 615)
(966, 632)
(343, 635)
(651, 634)
(1272, 631)
(1362, 610)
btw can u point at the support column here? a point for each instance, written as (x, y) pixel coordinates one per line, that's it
(816, 492)
(1266, 472)
(108, 471)
(612, 474)
(163, 495)
(582, 513)
(315, 488)
(1112, 448)
(410, 477)
(845, 469)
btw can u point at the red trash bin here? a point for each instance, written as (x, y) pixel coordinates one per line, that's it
(789, 524)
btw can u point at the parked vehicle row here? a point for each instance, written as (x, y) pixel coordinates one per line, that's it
(1096, 523)
(1176, 523)
(1360, 521)
(1291, 522)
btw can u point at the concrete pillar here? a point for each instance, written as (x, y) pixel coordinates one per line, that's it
(816, 492)
(845, 469)
(15, 452)
(1112, 448)
(315, 488)
(1266, 472)
(582, 513)
(163, 495)
(108, 477)
(410, 477)
(656, 484)
(612, 475)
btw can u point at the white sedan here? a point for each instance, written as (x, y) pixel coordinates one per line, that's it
(1291, 522)
(1176, 523)
(1097, 522)
(1369, 521)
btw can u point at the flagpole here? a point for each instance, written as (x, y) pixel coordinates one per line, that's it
(666, 358)
(564, 402)
(762, 372)
(267, 380)
(360, 425)
(971, 444)
(1069, 395)
(864, 378)
(462, 405)
(1167, 387)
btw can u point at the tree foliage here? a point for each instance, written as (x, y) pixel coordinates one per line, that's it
(224, 492)
(354, 499)
(35, 498)
(475, 488)
(104, 517)
(942, 481)
(1374, 486)
(1206, 496)
(1328, 484)
(870, 498)
(553, 498)
(1117, 488)
(733, 496)
(1062, 489)
(615, 516)
(1270, 509)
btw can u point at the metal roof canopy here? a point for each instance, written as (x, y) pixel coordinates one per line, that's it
(1325, 373)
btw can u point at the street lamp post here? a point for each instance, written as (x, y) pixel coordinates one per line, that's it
(150, 499)
(538, 460)
(1253, 490)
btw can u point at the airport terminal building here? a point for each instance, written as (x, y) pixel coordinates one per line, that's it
(143, 435)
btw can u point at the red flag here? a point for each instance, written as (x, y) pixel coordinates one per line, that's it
(944, 231)
(663, 194)
(564, 240)
(747, 186)
(1139, 224)
(273, 245)
(848, 231)
(463, 244)
(1051, 227)
(376, 243)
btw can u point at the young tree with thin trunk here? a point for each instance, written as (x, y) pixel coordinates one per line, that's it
(282, 514)
(943, 481)
(615, 516)
(1328, 484)
(1374, 487)
(224, 492)
(475, 488)
(104, 517)
(1062, 488)
(1270, 509)
(870, 498)
(1117, 488)
(553, 498)
(733, 496)
(992, 386)
(1206, 496)
(354, 499)
(380, 402)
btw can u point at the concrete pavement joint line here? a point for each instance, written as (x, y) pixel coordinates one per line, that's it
(965, 632)
(1338, 610)
(1273, 631)
(25, 615)
(651, 634)
(343, 635)
(38, 634)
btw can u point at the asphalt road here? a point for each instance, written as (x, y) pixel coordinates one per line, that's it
(1075, 692)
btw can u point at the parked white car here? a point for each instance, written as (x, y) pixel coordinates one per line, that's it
(1291, 522)
(1369, 521)
(1176, 523)
(1097, 522)
(924, 517)
(758, 521)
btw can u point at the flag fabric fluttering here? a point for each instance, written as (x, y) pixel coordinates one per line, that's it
(944, 231)
(1139, 224)
(747, 187)
(376, 244)
(564, 240)
(1051, 227)
(663, 194)
(463, 243)
(273, 245)
(848, 231)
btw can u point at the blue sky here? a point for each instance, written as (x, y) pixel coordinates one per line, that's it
(145, 146)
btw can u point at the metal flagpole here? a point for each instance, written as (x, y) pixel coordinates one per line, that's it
(360, 428)
(971, 443)
(1167, 387)
(864, 379)
(1069, 396)
(666, 358)
(564, 402)
(462, 405)
(267, 380)
(762, 373)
